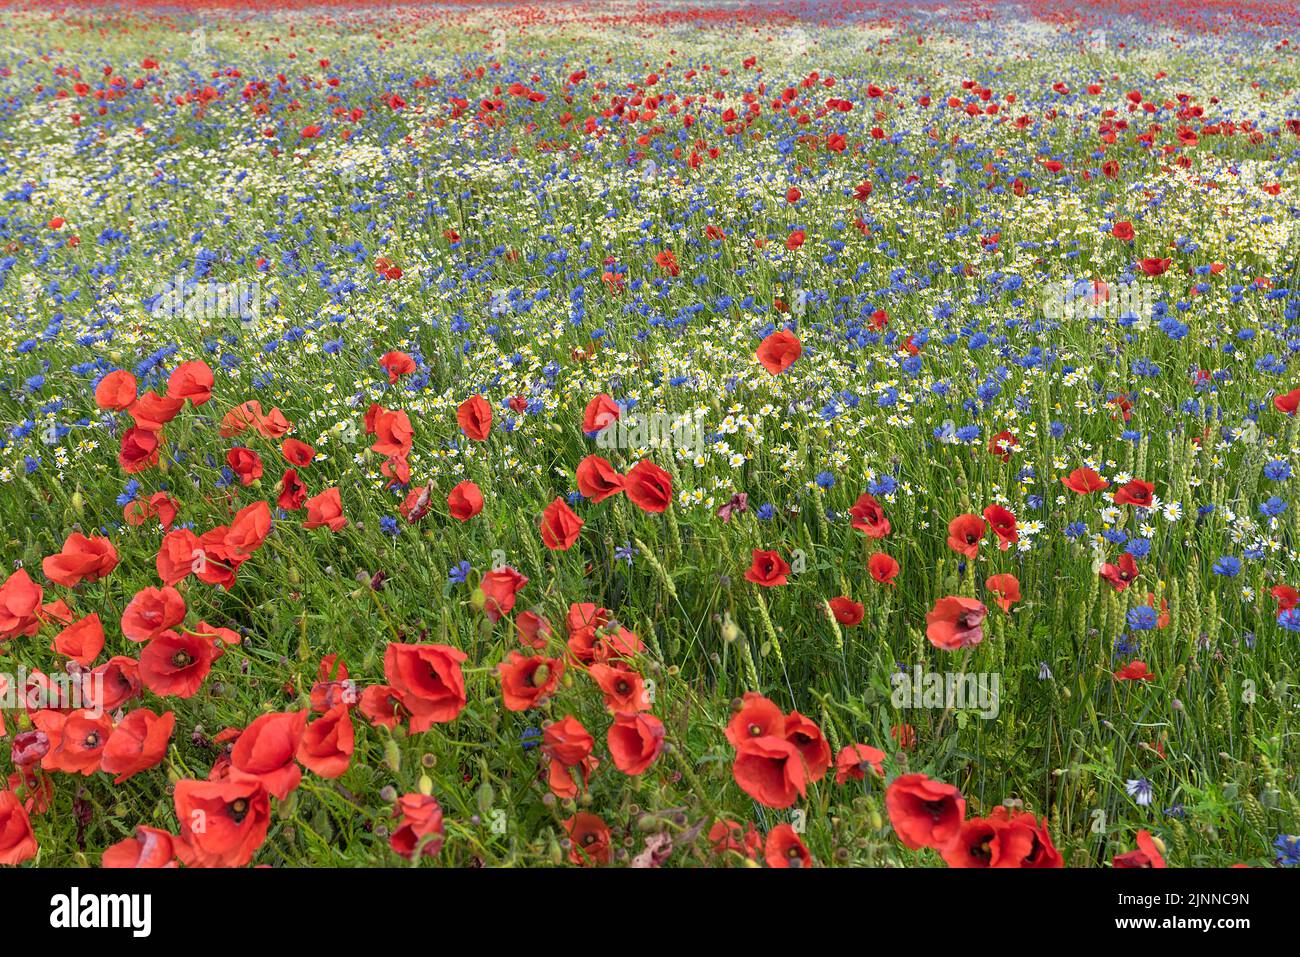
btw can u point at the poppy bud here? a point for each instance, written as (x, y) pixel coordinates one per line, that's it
(393, 755)
(78, 503)
(478, 600)
(426, 785)
(730, 631)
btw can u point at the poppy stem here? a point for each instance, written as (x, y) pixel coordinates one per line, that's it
(965, 661)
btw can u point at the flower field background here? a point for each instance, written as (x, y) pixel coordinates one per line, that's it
(650, 434)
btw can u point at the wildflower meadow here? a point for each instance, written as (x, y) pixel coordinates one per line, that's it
(652, 435)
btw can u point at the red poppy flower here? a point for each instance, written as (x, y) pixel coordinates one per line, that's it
(248, 530)
(1287, 403)
(588, 839)
(1084, 481)
(152, 411)
(784, 849)
(527, 681)
(1123, 231)
(794, 240)
(964, 534)
(222, 822)
(601, 411)
(757, 717)
(138, 743)
(770, 770)
(869, 518)
(1135, 671)
(116, 391)
(148, 847)
(853, 761)
(779, 351)
(265, 752)
(924, 813)
(152, 611)
(1000, 445)
(768, 569)
(955, 622)
(114, 683)
(293, 494)
(382, 706)
(474, 416)
(1003, 840)
(1120, 575)
(325, 509)
(534, 630)
(566, 741)
(419, 826)
(1136, 492)
(727, 835)
(429, 680)
(1147, 854)
(139, 450)
(500, 586)
(176, 663)
(598, 479)
(297, 453)
(17, 843)
(396, 364)
(560, 526)
(846, 610)
(1003, 524)
(393, 432)
(20, 605)
(1006, 588)
(1154, 267)
(464, 501)
(883, 568)
(192, 381)
(77, 740)
(82, 641)
(81, 559)
(1286, 597)
(624, 690)
(804, 734)
(649, 487)
(245, 463)
(635, 741)
(177, 556)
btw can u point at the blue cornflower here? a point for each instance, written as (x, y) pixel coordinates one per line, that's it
(129, 492)
(388, 525)
(825, 480)
(1138, 547)
(1272, 506)
(1288, 850)
(459, 573)
(625, 552)
(1227, 566)
(1139, 789)
(1279, 470)
(1142, 618)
